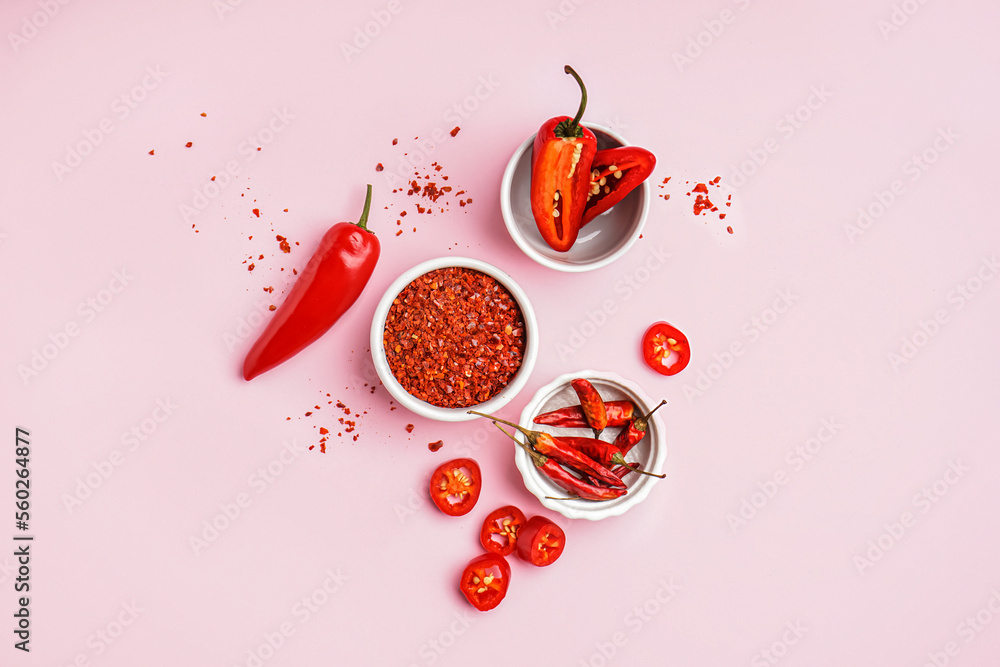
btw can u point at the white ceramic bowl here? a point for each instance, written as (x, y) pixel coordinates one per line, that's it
(605, 239)
(423, 408)
(650, 453)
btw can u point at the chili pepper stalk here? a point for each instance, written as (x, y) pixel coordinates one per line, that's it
(635, 431)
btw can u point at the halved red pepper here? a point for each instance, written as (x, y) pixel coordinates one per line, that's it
(541, 541)
(560, 175)
(614, 173)
(485, 581)
(455, 486)
(500, 530)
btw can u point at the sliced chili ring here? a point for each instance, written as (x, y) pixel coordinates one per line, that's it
(500, 530)
(540, 542)
(455, 486)
(485, 581)
(659, 344)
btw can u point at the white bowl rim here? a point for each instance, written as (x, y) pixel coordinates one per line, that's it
(508, 213)
(423, 408)
(588, 509)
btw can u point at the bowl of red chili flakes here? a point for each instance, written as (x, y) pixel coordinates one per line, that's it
(601, 242)
(453, 334)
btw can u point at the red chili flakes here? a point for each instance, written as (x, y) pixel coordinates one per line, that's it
(409, 428)
(152, 152)
(203, 114)
(256, 212)
(251, 267)
(398, 232)
(272, 307)
(189, 144)
(395, 141)
(434, 446)
(283, 243)
(379, 167)
(455, 131)
(446, 337)
(729, 229)
(269, 289)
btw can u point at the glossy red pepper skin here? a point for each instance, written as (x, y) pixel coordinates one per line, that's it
(576, 486)
(605, 453)
(485, 581)
(659, 343)
(455, 486)
(560, 176)
(592, 404)
(635, 431)
(543, 541)
(325, 289)
(556, 449)
(501, 529)
(619, 413)
(634, 165)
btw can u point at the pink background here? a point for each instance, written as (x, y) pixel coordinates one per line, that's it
(843, 563)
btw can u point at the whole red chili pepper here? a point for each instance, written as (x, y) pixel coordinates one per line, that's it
(553, 448)
(604, 453)
(592, 404)
(330, 284)
(635, 431)
(619, 414)
(613, 174)
(566, 480)
(560, 175)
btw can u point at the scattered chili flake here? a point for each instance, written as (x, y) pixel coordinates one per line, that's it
(256, 212)
(409, 428)
(189, 144)
(213, 178)
(379, 167)
(455, 131)
(395, 141)
(250, 268)
(309, 414)
(269, 289)
(283, 243)
(398, 232)
(448, 345)
(729, 229)
(151, 152)
(203, 114)
(434, 446)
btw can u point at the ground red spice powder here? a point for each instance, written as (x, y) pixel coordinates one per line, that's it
(454, 337)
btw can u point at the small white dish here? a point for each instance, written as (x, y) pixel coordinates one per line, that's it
(650, 453)
(423, 408)
(605, 239)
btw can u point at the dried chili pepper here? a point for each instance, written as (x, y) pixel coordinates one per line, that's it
(565, 480)
(560, 175)
(329, 285)
(592, 404)
(619, 414)
(614, 173)
(605, 453)
(635, 431)
(553, 448)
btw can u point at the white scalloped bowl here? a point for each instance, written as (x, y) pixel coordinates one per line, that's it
(650, 453)
(423, 408)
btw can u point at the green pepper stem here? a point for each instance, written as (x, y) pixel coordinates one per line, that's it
(634, 467)
(531, 435)
(363, 222)
(643, 422)
(583, 99)
(537, 459)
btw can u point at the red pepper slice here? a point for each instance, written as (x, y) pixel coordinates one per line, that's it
(500, 530)
(592, 404)
(560, 175)
(455, 486)
(485, 581)
(328, 286)
(614, 173)
(658, 344)
(541, 542)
